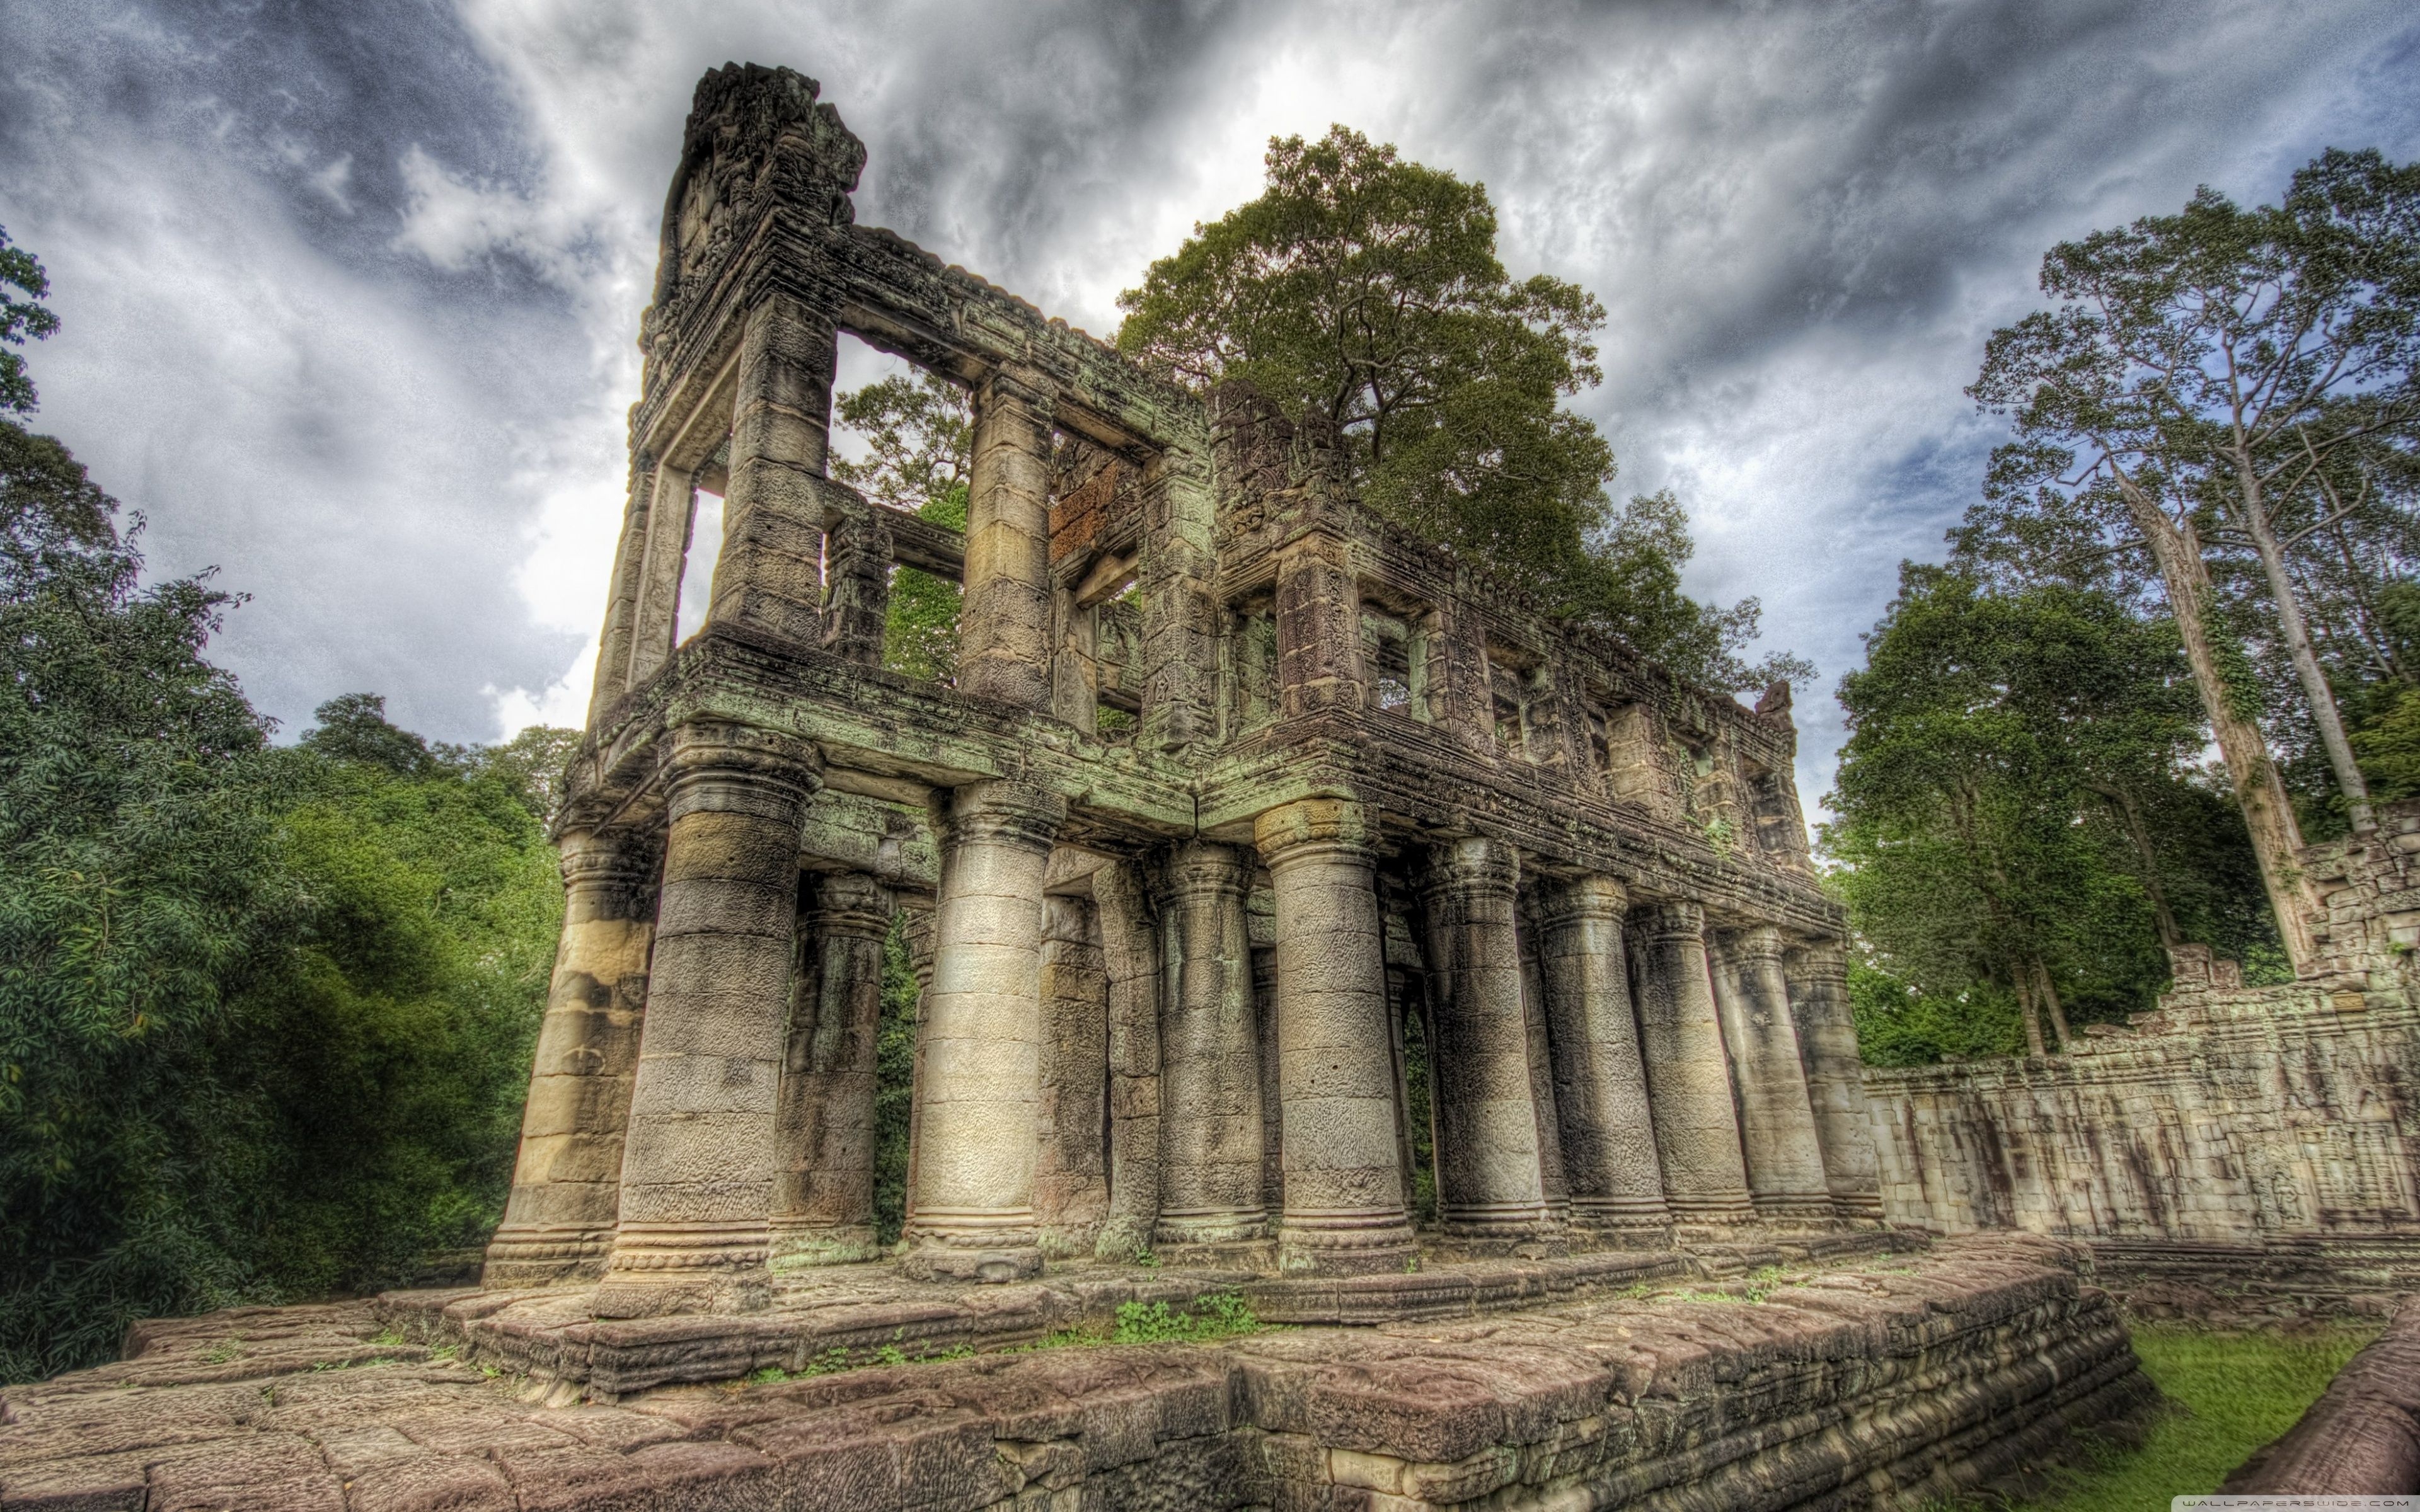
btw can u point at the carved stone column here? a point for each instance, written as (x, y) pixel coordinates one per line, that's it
(567, 1180)
(1608, 1132)
(1210, 1084)
(857, 605)
(1489, 1179)
(1344, 1209)
(1319, 629)
(1071, 1190)
(1778, 1134)
(1827, 1041)
(1004, 622)
(770, 577)
(823, 1198)
(698, 1165)
(970, 1205)
(1551, 1177)
(655, 613)
(1180, 614)
(622, 602)
(1130, 957)
(1688, 1081)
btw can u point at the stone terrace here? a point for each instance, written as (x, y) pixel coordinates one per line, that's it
(1884, 1385)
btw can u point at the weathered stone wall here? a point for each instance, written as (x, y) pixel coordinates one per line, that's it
(1845, 1389)
(2236, 1126)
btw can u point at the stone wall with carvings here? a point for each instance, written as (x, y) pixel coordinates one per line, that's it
(2233, 1115)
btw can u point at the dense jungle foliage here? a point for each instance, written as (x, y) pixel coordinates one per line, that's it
(265, 1014)
(2049, 766)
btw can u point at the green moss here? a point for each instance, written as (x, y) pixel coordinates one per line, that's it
(2229, 1394)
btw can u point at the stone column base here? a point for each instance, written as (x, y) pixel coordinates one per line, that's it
(1793, 1207)
(1497, 1220)
(1358, 1242)
(986, 1246)
(796, 1248)
(536, 1255)
(1222, 1227)
(661, 1269)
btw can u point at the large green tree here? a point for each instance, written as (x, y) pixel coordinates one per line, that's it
(1366, 290)
(2016, 768)
(265, 1014)
(2220, 382)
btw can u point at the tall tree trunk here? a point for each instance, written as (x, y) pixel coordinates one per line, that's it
(2130, 813)
(2276, 842)
(2321, 698)
(2027, 1011)
(2050, 1002)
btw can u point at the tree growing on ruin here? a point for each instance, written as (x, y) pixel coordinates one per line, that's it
(1366, 290)
(2220, 383)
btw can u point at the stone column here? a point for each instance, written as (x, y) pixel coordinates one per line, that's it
(1071, 1192)
(1180, 612)
(1264, 1012)
(1778, 1134)
(622, 603)
(770, 577)
(567, 1182)
(1210, 1084)
(1345, 1209)
(655, 614)
(970, 1205)
(1130, 958)
(698, 1165)
(1551, 1177)
(1489, 1179)
(1827, 1042)
(1319, 628)
(1688, 1081)
(1608, 1133)
(1004, 622)
(823, 1197)
(918, 930)
(857, 604)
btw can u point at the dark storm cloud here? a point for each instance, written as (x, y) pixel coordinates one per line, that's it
(350, 291)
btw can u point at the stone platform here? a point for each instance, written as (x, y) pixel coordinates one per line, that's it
(847, 1313)
(1886, 1382)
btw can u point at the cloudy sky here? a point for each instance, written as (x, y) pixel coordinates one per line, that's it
(350, 291)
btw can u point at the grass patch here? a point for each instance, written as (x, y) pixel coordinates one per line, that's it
(2230, 1394)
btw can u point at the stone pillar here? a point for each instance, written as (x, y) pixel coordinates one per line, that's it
(655, 615)
(1608, 1134)
(1778, 1134)
(770, 577)
(1345, 1209)
(1071, 1194)
(1004, 622)
(1180, 612)
(918, 931)
(1130, 958)
(857, 605)
(970, 1205)
(698, 1165)
(1264, 1012)
(1489, 1179)
(1688, 1081)
(1827, 1042)
(1210, 1084)
(622, 603)
(1551, 1177)
(567, 1180)
(1319, 628)
(823, 1198)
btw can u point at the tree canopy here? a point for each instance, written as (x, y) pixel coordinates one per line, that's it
(265, 1014)
(1365, 289)
(2229, 393)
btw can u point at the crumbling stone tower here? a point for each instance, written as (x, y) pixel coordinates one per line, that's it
(1235, 781)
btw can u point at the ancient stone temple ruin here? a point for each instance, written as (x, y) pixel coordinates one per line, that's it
(1236, 790)
(1236, 781)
